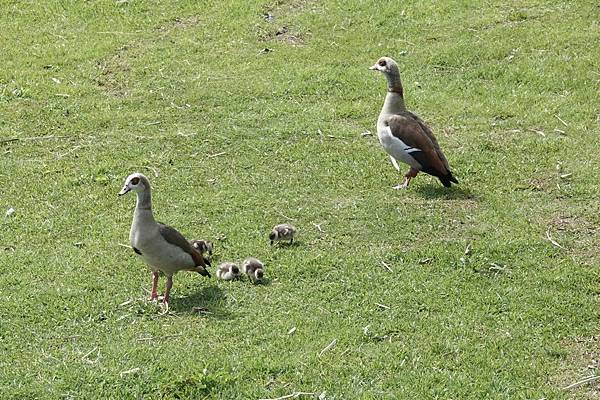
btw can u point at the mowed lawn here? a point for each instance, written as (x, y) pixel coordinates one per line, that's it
(246, 114)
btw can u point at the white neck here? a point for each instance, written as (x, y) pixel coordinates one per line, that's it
(143, 206)
(394, 104)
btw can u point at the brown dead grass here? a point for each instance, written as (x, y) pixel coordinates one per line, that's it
(116, 67)
(582, 362)
(582, 236)
(288, 6)
(573, 224)
(114, 70)
(282, 34)
(275, 29)
(183, 23)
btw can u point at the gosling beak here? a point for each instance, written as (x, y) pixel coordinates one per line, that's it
(374, 68)
(123, 191)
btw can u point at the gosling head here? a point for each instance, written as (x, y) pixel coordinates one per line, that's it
(273, 236)
(258, 274)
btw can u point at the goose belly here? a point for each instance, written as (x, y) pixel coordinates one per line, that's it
(397, 148)
(162, 256)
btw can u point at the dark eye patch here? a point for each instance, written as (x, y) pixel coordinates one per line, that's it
(381, 63)
(135, 180)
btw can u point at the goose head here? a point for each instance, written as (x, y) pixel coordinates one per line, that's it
(135, 182)
(386, 66)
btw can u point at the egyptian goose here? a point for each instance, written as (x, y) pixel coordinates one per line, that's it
(254, 268)
(163, 248)
(282, 232)
(228, 271)
(404, 136)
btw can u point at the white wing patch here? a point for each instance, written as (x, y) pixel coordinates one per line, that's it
(395, 163)
(397, 149)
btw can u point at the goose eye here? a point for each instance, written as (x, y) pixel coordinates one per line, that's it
(135, 180)
(381, 63)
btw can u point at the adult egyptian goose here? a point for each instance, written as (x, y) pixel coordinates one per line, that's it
(254, 268)
(404, 136)
(228, 271)
(282, 232)
(163, 248)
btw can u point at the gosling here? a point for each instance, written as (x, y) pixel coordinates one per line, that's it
(228, 271)
(282, 232)
(205, 247)
(254, 268)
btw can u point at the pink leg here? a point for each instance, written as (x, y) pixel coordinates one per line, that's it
(154, 292)
(409, 175)
(168, 287)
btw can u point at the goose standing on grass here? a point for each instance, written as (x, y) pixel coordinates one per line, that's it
(282, 232)
(254, 268)
(404, 136)
(163, 248)
(228, 271)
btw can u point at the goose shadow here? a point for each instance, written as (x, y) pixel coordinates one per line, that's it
(440, 192)
(208, 301)
(286, 245)
(262, 282)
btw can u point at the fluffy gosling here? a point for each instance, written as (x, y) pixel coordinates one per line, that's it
(228, 271)
(205, 247)
(282, 232)
(254, 268)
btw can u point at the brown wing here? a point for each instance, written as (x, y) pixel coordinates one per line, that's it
(408, 129)
(173, 236)
(429, 134)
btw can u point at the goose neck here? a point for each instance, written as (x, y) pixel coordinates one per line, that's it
(144, 200)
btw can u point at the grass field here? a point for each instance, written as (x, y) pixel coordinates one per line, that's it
(246, 114)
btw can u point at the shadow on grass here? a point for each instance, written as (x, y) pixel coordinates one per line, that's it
(262, 282)
(208, 301)
(286, 245)
(440, 192)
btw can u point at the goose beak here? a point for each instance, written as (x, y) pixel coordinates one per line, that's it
(123, 191)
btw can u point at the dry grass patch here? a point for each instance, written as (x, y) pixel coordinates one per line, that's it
(581, 364)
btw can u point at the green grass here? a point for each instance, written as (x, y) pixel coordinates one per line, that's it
(242, 139)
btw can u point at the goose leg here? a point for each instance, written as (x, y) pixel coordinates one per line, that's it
(154, 292)
(168, 287)
(412, 172)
